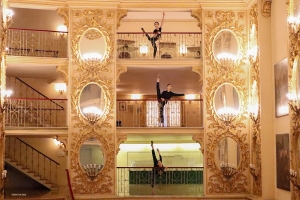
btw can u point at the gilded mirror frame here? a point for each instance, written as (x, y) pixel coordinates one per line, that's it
(78, 32)
(105, 101)
(214, 96)
(237, 181)
(108, 99)
(103, 182)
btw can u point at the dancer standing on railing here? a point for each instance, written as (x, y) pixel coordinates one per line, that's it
(163, 98)
(158, 168)
(156, 35)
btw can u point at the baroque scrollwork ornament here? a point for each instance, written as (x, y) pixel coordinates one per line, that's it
(238, 183)
(92, 19)
(103, 182)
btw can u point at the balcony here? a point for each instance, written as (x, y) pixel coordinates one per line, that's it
(145, 113)
(178, 181)
(170, 45)
(37, 43)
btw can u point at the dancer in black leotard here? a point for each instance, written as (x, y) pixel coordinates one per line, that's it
(158, 168)
(163, 98)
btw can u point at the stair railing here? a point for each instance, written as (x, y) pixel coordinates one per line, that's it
(32, 160)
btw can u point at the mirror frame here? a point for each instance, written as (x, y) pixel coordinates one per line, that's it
(241, 140)
(79, 33)
(215, 93)
(83, 35)
(104, 96)
(238, 55)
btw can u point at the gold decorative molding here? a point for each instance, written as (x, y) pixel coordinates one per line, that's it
(198, 15)
(120, 70)
(233, 73)
(121, 13)
(64, 13)
(266, 8)
(92, 34)
(92, 19)
(255, 95)
(238, 183)
(199, 138)
(120, 139)
(63, 70)
(104, 181)
(198, 70)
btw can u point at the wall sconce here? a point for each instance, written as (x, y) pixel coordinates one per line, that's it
(136, 96)
(9, 14)
(63, 30)
(227, 114)
(6, 99)
(61, 87)
(228, 170)
(92, 170)
(254, 172)
(190, 96)
(183, 50)
(294, 179)
(144, 50)
(92, 114)
(3, 180)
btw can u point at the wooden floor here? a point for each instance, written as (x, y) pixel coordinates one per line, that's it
(34, 194)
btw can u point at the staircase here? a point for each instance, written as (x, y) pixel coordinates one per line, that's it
(31, 162)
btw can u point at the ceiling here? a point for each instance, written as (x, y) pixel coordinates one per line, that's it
(142, 80)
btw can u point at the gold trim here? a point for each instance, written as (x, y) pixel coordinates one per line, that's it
(120, 15)
(266, 8)
(64, 143)
(120, 139)
(200, 139)
(198, 70)
(63, 70)
(104, 181)
(198, 15)
(64, 13)
(120, 70)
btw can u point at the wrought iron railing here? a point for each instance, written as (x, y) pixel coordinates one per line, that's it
(31, 159)
(175, 181)
(145, 113)
(31, 112)
(37, 43)
(170, 45)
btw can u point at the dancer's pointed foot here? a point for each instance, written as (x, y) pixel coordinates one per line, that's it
(151, 143)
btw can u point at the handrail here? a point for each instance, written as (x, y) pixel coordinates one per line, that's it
(39, 93)
(158, 167)
(27, 29)
(154, 99)
(161, 33)
(37, 99)
(69, 184)
(38, 151)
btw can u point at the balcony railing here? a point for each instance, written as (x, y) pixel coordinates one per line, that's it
(33, 112)
(170, 45)
(175, 181)
(145, 113)
(37, 43)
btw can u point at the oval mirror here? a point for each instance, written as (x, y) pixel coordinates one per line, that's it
(226, 100)
(227, 152)
(92, 102)
(92, 45)
(91, 155)
(225, 45)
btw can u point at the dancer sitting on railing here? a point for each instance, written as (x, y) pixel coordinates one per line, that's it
(158, 168)
(156, 35)
(163, 98)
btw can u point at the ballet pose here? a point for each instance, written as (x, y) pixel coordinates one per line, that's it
(163, 98)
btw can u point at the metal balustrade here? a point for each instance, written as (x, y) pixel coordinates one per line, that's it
(145, 113)
(37, 43)
(170, 45)
(32, 160)
(175, 181)
(34, 112)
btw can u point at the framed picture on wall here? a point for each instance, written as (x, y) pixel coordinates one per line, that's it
(281, 88)
(283, 161)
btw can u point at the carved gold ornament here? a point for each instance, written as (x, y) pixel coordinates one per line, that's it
(92, 34)
(198, 15)
(103, 183)
(64, 13)
(217, 183)
(266, 8)
(92, 19)
(226, 72)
